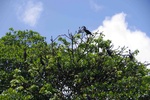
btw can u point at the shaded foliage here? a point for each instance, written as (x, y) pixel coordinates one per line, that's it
(72, 66)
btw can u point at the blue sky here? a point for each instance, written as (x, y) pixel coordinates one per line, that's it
(127, 18)
(56, 17)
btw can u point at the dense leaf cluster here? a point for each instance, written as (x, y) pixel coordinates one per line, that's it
(73, 66)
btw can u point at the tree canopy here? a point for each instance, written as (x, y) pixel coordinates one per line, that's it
(72, 66)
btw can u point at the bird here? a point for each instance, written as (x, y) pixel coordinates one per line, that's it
(25, 54)
(86, 31)
(130, 55)
(109, 51)
(88, 97)
(58, 65)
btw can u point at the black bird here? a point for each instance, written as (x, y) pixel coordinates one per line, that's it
(130, 55)
(86, 31)
(58, 65)
(88, 98)
(41, 61)
(109, 51)
(25, 54)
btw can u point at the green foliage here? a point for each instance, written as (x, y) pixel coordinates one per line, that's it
(12, 94)
(70, 67)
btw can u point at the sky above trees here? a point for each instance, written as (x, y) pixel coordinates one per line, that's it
(124, 22)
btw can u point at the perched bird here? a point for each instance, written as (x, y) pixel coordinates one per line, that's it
(58, 65)
(25, 54)
(130, 55)
(109, 51)
(88, 98)
(86, 31)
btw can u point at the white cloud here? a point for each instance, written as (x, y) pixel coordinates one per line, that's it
(96, 7)
(116, 29)
(29, 12)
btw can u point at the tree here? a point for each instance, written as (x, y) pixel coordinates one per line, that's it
(72, 66)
